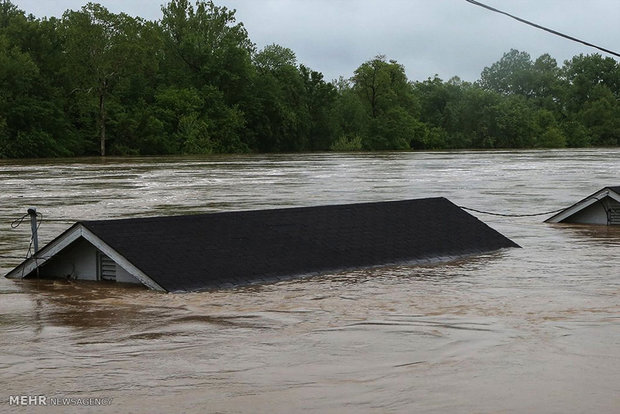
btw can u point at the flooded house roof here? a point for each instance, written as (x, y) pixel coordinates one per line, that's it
(602, 207)
(206, 251)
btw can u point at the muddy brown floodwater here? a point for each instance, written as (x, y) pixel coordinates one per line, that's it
(525, 330)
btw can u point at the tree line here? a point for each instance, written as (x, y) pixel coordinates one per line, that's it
(94, 83)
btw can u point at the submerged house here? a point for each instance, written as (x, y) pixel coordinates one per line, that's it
(206, 251)
(602, 207)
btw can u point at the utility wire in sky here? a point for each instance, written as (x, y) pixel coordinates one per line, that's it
(477, 3)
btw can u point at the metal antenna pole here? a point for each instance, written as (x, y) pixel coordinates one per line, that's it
(32, 212)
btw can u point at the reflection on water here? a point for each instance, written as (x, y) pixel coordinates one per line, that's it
(522, 330)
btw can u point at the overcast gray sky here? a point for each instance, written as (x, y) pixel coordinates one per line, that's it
(443, 37)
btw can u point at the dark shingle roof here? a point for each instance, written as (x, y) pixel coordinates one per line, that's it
(197, 252)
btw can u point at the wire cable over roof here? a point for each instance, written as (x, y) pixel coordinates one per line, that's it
(555, 32)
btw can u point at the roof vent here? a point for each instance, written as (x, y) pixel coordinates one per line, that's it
(614, 216)
(106, 268)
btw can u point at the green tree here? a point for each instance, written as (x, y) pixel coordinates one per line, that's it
(101, 49)
(441, 106)
(548, 132)
(320, 99)
(591, 91)
(601, 114)
(273, 58)
(546, 82)
(512, 74)
(381, 85)
(33, 123)
(577, 135)
(391, 106)
(17, 73)
(473, 118)
(516, 74)
(279, 117)
(348, 118)
(208, 50)
(210, 44)
(585, 72)
(514, 123)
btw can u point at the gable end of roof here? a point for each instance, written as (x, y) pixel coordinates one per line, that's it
(606, 192)
(64, 240)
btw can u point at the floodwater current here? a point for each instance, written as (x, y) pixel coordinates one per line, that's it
(530, 330)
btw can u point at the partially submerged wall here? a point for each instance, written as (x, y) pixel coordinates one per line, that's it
(597, 213)
(78, 261)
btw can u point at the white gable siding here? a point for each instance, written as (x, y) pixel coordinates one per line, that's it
(595, 214)
(79, 261)
(601, 208)
(602, 212)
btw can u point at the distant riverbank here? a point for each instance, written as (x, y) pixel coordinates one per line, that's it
(98, 83)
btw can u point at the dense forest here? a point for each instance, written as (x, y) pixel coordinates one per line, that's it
(94, 83)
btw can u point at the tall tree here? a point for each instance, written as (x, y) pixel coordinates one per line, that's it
(348, 118)
(384, 90)
(102, 48)
(583, 73)
(210, 43)
(512, 74)
(209, 51)
(280, 118)
(31, 103)
(320, 99)
(546, 88)
(601, 115)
